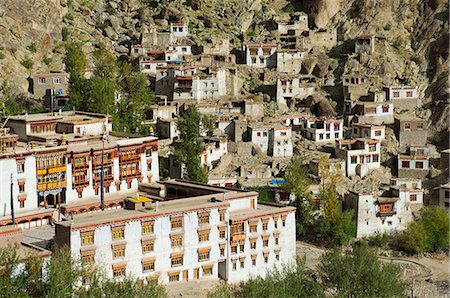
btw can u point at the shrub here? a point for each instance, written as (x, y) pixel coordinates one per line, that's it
(412, 240)
(47, 60)
(27, 63)
(380, 240)
(32, 47)
(435, 222)
(65, 33)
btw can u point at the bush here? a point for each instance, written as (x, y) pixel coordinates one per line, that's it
(47, 60)
(379, 240)
(32, 47)
(412, 240)
(65, 33)
(435, 222)
(27, 63)
(2, 55)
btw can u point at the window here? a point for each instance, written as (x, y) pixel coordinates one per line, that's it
(277, 240)
(174, 276)
(372, 147)
(283, 220)
(265, 133)
(203, 254)
(20, 167)
(407, 125)
(258, 134)
(266, 241)
(253, 227)
(413, 197)
(119, 271)
(253, 243)
(405, 164)
(409, 93)
(87, 238)
(265, 224)
(242, 245)
(420, 125)
(177, 260)
(396, 94)
(447, 194)
(203, 218)
(148, 246)
(327, 126)
(176, 223)
(377, 133)
(320, 136)
(237, 228)
(222, 232)
(147, 228)
(222, 250)
(203, 236)
(266, 258)
(207, 270)
(353, 159)
(336, 126)
(242, 261)
(253, 260)
(148, 265)
(234, 265)
(118, 233)
(375, 158)
(234, 248)
(41, 80)
(327, 136)
(283, 133)
(176, 241)
(419, 164)
(57, 80)
(87, 257)
(385, 109)
(222, 212)
(336, 135)
(21, 187)
(275, 223)
(118, 251)
(277, 256)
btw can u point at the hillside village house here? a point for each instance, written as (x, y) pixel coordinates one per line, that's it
(388, 212)
(411, 131)
(360, 155)
(322, 130)
(56, 159)
(215, 148)
(184, 231)
(444, 196)
(375, 110)
(368, 131)
(261, 55)
(50, 86)
(293, 87)
(414, 164)
(280, 141)
(403, 97)
(290, 61)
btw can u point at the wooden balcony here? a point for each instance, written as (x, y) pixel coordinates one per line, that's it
(130, 175)
(238, 237)
(51, 185)
(57, 169)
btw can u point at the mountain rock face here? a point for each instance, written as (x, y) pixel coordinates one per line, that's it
(416, 33)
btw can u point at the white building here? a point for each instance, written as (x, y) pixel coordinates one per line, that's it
(360, 155)
(259, 135)
(215, 148)
(375, 111)
(368, 131)
(322, 130)
(413, 165)
(56, 159)
(179, 30)
(389, 212)
(189, 232)
(261, 55)
(178, 52)
(280, 142)
(290, 61)
(289, 88)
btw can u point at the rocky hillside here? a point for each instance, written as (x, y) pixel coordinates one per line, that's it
(33, 33)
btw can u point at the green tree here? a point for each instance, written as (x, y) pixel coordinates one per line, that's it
(359, 273)
(435, 222)
(191, 125)
(329, 201)
(297, 182)
(412, 239)
(289, 281)
(344, 229)
(105, 64)
(100, 96)
(136, 101)
(75, 59)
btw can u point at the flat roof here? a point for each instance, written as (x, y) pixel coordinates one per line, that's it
(262, 210)
(66, 116)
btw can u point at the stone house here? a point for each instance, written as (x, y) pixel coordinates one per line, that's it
(260, 171)
(322, 130)
(214, 149)
(368, 131)
(290, 28)
(403, 97)
(414, 164)
(290, 61)
(445, 159)
(411, 131)
(444, 196)
(374, 110)
(259, 135)
(360, 155)
(167, 129)
(48, 86)
(290, 88)
(179, 30)
(261, 55)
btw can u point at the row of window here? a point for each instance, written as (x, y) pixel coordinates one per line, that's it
(234, 262)
(407, 164)
(240, 246)
(365, 159)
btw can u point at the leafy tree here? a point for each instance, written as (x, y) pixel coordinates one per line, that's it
(435, 222)
(412, 239)
(105, 64)
(359, 273)
(100, 96)
(330, 174)
(288, 281)
(344, 229)
(75, 59)
(297, 183)
(135, 102)
(329, 201)
(191, 124)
